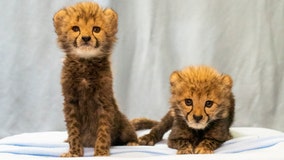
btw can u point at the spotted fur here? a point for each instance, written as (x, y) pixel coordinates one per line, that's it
(87, 33)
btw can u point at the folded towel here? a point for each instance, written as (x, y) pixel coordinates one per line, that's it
(51, 144)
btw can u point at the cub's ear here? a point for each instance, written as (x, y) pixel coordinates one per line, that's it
(175, 78)
(111, 18)
(227, 80)
(58, 19)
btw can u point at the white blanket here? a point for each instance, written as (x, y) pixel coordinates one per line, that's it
(248, 143)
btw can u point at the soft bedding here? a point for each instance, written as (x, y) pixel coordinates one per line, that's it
(248, 143)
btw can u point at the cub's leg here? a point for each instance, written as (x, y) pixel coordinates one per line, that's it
(73, 128)
(103, 140)
(181, 138)
(157, 132)
(128, 135)
(214, 137)
(183, 146)
(207, 146)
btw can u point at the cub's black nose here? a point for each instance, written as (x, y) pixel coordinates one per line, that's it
(86, 38)
(197, 118)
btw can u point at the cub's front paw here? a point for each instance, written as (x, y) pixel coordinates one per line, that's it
(147, 139)
(202, 150)
(69, 154)
(79, 152)
(100, 152)
(187, 150)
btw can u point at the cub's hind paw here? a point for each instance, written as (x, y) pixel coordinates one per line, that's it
(132, 144)
(147, 139)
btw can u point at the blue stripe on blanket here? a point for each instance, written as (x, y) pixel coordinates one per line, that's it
(249, 143)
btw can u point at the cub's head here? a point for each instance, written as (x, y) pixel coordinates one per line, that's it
(86, 30)
(200, 95)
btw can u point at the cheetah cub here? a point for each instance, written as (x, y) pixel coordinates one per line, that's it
(86, 33)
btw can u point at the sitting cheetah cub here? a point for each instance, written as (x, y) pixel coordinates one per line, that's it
(87, 33)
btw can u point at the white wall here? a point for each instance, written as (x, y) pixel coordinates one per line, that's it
(242, 38)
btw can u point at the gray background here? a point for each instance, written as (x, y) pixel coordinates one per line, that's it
(242, 38)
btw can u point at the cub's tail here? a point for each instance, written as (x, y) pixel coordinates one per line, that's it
(143, 123)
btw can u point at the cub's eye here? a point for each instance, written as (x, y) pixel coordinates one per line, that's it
(208, 104)
(75, 28)
(188, 102)
(96, 29)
